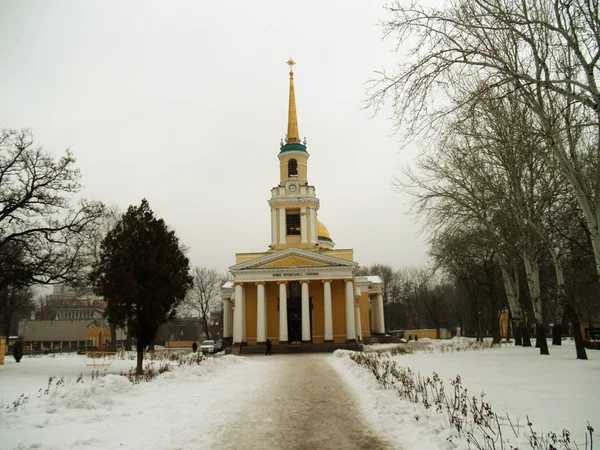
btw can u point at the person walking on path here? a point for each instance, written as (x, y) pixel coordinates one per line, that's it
(268, 352)
(194, 346)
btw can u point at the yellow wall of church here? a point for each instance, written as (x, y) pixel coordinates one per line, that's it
(272, 291)
(338, 308)
(315, 290)
(293, 261)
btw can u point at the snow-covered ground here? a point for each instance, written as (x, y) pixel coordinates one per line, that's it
(556, 392)
(192, 406)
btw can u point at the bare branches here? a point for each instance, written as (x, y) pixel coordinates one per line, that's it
(37, 219)
(203, 296)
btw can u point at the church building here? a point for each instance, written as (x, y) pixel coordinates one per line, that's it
(301, 292)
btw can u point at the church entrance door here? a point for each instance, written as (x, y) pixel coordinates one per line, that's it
(294, 309)
(295, 320)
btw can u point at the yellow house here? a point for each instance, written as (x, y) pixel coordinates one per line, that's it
(302, 291)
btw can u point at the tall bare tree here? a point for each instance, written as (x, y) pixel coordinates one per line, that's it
(548, 52)
(203, 296)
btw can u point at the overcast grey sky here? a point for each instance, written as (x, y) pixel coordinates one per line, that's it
(185, 102)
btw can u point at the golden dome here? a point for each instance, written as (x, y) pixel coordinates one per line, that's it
(322, 230)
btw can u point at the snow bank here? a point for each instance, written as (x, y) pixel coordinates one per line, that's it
(553, 391)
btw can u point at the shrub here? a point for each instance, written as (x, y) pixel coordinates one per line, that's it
(18, 350)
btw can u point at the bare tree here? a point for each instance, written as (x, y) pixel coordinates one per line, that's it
(548, 52)
(468, 257)
(40, 231)
(204, 296)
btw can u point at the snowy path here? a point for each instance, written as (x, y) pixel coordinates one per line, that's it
(277, 402)
(302, 403)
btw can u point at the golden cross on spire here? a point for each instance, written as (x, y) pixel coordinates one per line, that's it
(291, 62)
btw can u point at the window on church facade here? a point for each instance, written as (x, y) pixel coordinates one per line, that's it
(292, 168)
(293, 223)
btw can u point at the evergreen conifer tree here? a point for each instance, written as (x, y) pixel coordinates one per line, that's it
(142, 273)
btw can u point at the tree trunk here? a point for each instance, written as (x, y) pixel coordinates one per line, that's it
(524, 334)
(113, 337)
(128, 339)
(205, 326)
(140, 360)
(579, 347)
(512, 295)
(540, 339)
(561, 298)
(533, 283)
(496, 329)
(557, 334)
(517, 333)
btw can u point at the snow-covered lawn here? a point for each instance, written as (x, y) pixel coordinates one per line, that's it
(556, 392)
(193, 405)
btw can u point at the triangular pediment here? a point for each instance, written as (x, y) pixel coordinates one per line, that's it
(293, 257)
(293, 261)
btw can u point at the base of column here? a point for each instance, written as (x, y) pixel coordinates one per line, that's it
(329, 341)
(351, 341)
(283, 342)
(306, 342)
(261, 342)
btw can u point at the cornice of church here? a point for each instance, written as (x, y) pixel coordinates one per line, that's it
(293, 274)
(294, 201)
(298, 153)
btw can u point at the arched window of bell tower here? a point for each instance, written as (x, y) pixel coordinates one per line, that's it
(292, 168)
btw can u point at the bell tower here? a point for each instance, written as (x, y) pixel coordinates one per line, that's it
(293, 156)
(293, 202)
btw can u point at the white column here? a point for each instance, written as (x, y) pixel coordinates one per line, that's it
(274, 226)
(230, 326)
(380, 319)
(226, 317)
(305, 313)
(303, 225)
(261, 313)
(373, 314)
(313, 226)
(357, 318)
(327, 308)
(282, 225)
(358, 324)
(283, 328)
(238, 331)
(350, 330)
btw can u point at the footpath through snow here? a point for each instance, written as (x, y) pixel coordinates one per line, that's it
(282, 401)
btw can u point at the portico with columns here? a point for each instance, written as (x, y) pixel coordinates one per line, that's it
(301, 291)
